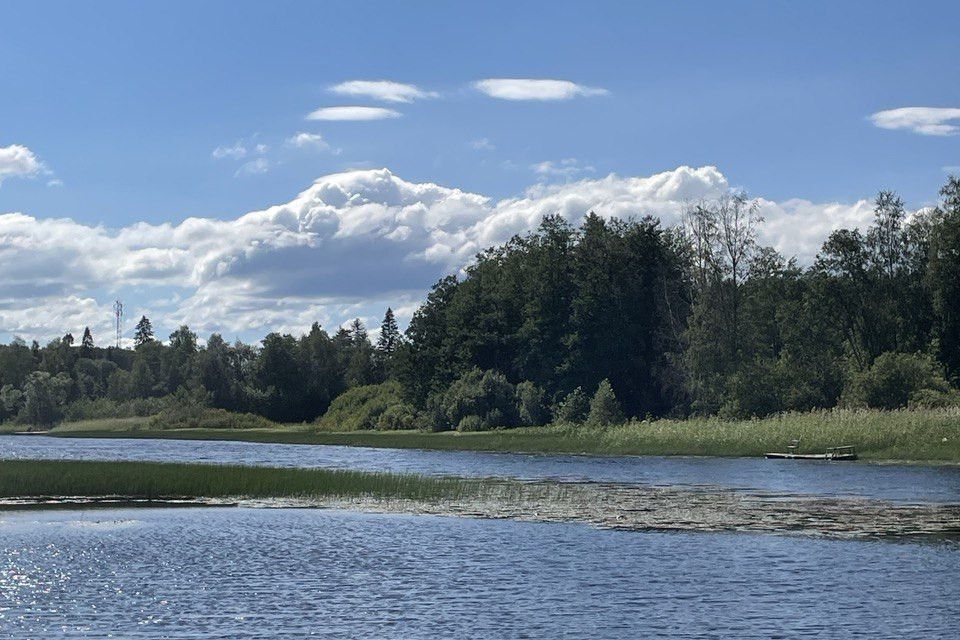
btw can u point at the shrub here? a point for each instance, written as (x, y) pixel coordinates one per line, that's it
(484, 394)
(471, 423)
(573, 408)
(604, 407)
(893, 379)
(208, 418)
(935, 399)
(398, 416)
(530, 404)
(361, 408)
(189, 409)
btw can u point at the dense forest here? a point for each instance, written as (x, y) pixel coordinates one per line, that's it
(614, 319)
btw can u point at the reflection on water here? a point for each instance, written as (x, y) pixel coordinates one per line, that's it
(888, 482)
(254, 573)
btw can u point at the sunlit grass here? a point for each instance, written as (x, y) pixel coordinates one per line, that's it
(921, 435)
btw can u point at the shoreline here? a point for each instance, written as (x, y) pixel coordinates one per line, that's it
(523, 441)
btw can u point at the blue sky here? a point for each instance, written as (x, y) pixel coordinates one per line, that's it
(123, 105)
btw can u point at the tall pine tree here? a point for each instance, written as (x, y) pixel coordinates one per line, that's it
(143, 333)
(389, 338)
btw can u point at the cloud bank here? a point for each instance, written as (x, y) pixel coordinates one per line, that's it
(349, 245)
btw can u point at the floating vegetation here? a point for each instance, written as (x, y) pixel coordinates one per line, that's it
(630, 507)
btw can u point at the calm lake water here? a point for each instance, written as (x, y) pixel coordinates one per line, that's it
(259, 573)
(890, 482)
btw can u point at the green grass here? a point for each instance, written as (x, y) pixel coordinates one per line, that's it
(908, 435)
(149, 480)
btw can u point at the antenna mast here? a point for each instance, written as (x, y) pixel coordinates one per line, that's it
(118, 313)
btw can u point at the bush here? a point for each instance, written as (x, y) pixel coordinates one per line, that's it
(604, 407)
(573, 408)
(190, 409)
(530, 405)
(935, 399)
(471, 423)
(401, 416)
(361, 408)
(208, 418)
(893, 379)
(486, 395)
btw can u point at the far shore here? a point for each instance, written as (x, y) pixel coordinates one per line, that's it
(905, 436)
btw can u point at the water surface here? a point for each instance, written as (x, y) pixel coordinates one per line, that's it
(260, 573)
(907, 483)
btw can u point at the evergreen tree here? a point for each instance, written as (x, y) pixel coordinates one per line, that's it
(389, 338)
(68, 340)
(87, 341)
(604, 406)
(143, 332)
(358, 331)
(573, 408)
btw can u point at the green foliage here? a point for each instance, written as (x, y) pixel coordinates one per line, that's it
(208, 418)
(189, 409)
(894, 380)
(477, 401)
(364, 408)
(11, 402)
(560, 308)
(604, 407)
(143, 332)
(399, 416)
(43, 397)
(531, 404)
(944, 277)
(573, 409)
(935, 399)
(98, 408)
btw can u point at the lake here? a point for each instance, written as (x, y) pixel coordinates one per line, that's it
(906, 483)
(268, 573)
(263, 573)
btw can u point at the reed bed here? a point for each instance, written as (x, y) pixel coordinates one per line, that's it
(906, 435)
(149, 480)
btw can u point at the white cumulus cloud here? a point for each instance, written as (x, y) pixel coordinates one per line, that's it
(928, 121)
(534, 89)
(18, 161)
(385, 90)
(349, 245)
(308, 140)
(352, 113)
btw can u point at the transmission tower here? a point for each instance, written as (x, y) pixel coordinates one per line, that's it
(118, 312)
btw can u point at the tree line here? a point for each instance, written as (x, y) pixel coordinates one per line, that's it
(611, 319)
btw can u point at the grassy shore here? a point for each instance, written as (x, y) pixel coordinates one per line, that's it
(906, 435)
(149, 480)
